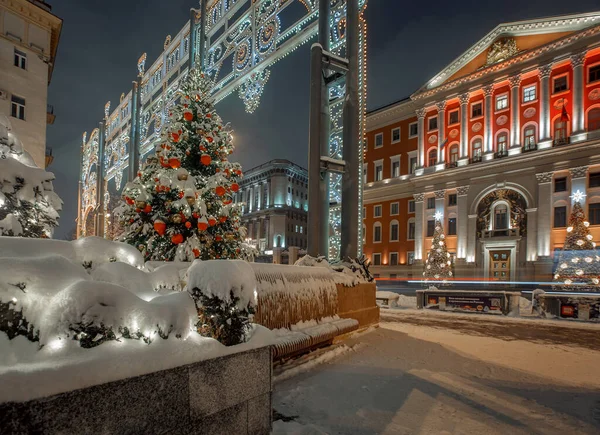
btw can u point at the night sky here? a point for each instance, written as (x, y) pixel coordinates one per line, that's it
(408, 43)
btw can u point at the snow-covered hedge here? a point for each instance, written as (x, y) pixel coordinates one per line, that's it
(349, 272)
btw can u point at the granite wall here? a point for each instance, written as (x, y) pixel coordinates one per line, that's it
(227, 395)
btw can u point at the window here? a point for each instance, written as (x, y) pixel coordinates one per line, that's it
(411, 258)
(18, 107)
(378, 171)
(378, 140)
(476, 152)
(477, 110)
(413, 163)
(396, 135)
(594, 180)
(560, 184)
(20, 59)
(394, 209)
(411, 231)
(530, 139)
(594, 73)
(560, 217)
(453, 117)
(501, 217)
(560, 84)
(501, 102)
(430, 203)
(560, 131)
(413, 130)
(411, 206)
(393, 259)
(365, 174)
(452, 199)
(377, 211)
(430, 228)
(452, 226)
(432, 123)
(432, 158)
(394, 231)
(454, 154)
(594, 119)
(377, 233)
(376, 259)
(529, 94)
(502, 144)
(594, 214)
(395, 168)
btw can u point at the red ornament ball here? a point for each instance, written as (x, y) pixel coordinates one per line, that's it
(160, 227)
(212, 221)
(148, 208)
(177, 239)
(174, 163)
(188, 225)
(196, 253)
(205, 159)
(188, 116)
(235, 187)
(220, 190)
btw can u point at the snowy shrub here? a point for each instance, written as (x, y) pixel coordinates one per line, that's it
(350, 272)
(225, 294)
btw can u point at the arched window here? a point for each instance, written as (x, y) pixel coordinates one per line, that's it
(529, 137)
(454, 154)
(476, 150)
(594, 119)
(501, 217)
(560, 131)
(376, 232)
(432, 157)
(502, 144)
(394, 231)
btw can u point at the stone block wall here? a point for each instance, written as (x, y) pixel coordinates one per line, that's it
(226, 395)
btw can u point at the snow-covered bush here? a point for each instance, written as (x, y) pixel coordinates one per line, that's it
(225, 295)
(350, 272)
(28, 204)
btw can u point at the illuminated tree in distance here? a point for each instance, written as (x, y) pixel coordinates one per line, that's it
(578, 266)
(438, 266)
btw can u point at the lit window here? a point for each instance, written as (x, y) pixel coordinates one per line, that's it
(476, 110)
(413, 164)
(379, 172)
(20, 59)
(530, 139)
(18, 107)
(502, 144)
(454, 154)
(395, 168)
(501, 102)
(396, 135)
(560, 84)
(529, 94)
(476, 151)
(432, 157)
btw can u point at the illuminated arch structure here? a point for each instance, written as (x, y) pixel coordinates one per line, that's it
(236, 42)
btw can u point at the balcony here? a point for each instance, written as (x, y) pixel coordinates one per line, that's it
(500, 154)
(510, 232)
(451, 165)
(50, 116)
(561, 141)
(475, 159)
(529, 147)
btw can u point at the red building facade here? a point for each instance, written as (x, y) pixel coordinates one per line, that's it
(496, 144)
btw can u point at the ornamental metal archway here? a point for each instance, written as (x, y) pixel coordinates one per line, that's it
(249, 36)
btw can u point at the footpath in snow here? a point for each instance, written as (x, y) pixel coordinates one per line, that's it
(408, 378)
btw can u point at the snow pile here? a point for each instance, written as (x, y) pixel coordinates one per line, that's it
(347, 273)
(28, 204)
(392, 298)
(222, 279)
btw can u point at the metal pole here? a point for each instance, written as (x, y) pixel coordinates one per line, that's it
(134, 135)
(351, 132)
(315, 202)
(100, 183)
(202, 44)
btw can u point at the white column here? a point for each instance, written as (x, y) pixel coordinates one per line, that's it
(421, 137)
(461, 221)
(579, 184)
(419, 226)
(544, 213)
(577, 118)
(251, 199)
(515, 120)
(441, 130)
(472, 238)
(488, 92)
(269, 202)
(464, 128)
(545, 134)
(440, 202)
(532, 239)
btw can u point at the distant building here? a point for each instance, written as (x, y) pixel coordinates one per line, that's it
(29, 35)
(275, 210)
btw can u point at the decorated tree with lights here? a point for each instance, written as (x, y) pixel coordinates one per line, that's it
(438, 266)
(28, 204)
(180, 205)
(578, 266)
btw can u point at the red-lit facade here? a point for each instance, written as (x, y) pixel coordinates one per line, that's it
(496, 144)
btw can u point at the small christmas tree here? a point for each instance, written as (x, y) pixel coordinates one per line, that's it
(438, 266)
(28, 204)
(180, 205)
(578, 266)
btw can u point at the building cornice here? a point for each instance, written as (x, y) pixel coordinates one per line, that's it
(395, 112)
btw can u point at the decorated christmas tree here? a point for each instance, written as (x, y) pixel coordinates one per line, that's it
(180, 206)
(28, 204)
(438, 265)
(578, 267)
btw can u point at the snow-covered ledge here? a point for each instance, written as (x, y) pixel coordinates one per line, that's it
(225, 395)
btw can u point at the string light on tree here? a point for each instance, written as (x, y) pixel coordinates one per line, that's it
(438, 265)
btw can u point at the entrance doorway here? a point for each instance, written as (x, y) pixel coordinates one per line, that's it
(500, 265)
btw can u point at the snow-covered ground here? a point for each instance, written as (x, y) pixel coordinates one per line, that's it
(461, 374)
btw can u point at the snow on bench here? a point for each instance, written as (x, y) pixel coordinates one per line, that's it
(389, 299)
